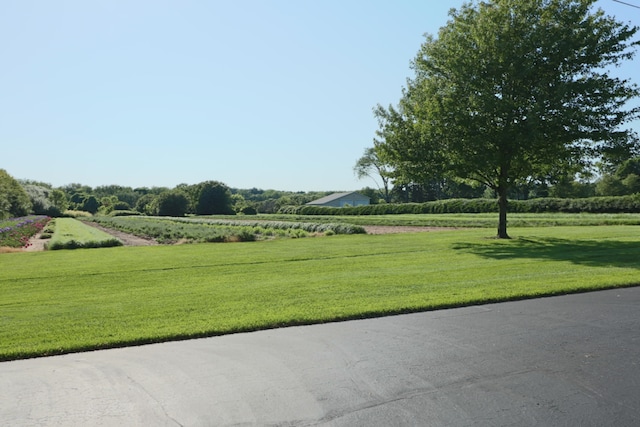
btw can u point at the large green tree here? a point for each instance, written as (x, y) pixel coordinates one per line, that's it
(511, 90)
(14, 201)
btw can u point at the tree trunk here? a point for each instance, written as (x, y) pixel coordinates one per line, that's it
(385, 183)
(502, 221)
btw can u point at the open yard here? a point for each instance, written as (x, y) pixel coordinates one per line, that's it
(63, 301)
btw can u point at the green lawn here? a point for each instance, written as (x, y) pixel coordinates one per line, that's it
(64, 301)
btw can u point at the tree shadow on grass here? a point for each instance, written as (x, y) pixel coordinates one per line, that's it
(607, 253)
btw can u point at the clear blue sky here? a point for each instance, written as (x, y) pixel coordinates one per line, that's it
(273, 94)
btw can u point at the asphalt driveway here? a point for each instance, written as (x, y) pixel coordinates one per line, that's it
(567, 360)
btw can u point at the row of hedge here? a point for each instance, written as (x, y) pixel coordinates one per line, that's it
(620, 204)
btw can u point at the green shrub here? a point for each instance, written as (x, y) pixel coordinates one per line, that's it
(172, 203)
(124, 213)
(90, 204)
(214, 198)
(76, 214)
(248, 210)
(121, 206)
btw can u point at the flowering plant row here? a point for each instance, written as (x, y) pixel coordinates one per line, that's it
(16, 232)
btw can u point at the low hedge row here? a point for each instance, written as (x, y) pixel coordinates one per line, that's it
(620, 204)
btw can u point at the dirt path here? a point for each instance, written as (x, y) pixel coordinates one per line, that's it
(126, 238)
(36, 244)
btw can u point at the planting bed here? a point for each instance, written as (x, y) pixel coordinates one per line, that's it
(17, 232)
(72, 234)
(169, 230)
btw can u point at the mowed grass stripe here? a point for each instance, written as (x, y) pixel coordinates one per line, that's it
(162, 258)
(101, 298)
(72, 234)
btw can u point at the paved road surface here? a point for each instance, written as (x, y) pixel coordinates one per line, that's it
(569, 360)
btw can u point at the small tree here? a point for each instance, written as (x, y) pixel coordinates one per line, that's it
(90, 204)
(145, 204)
(14, 201)
(172, 203)
(370, 165)
(214, 198)
(39, 196)
(77, 200)
(59, 200)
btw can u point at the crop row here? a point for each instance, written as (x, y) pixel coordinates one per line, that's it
(70, 233)
(171, 230)
(311, 227)
(16, 232)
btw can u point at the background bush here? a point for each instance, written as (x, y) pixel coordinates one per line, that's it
(14, 201)
(621, 204)
(171, 203)
(213, 198)
(248, 210)
(124, 213)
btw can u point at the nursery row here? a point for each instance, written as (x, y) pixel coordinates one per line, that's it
(172, 230)
(16, 232)
(72, 234)
(594, 205)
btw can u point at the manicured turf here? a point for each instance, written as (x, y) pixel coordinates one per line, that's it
(64, 301)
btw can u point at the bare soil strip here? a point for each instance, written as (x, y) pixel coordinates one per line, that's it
(126, 238)
(36, 244)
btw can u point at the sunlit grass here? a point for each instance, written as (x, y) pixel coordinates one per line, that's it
(64, 301)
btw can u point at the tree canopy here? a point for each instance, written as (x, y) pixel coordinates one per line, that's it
(514, 90)
(14, 201)
(372, 166)
(213, 198)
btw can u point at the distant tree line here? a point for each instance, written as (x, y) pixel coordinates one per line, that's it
(620, 180)
(23, 197)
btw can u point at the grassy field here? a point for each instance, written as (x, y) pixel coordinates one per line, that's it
(70, 233)
(64, 301)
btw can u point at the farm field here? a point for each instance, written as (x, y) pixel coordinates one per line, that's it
(201, 229)
(70, 233)
(477, 220)
(65, 301)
